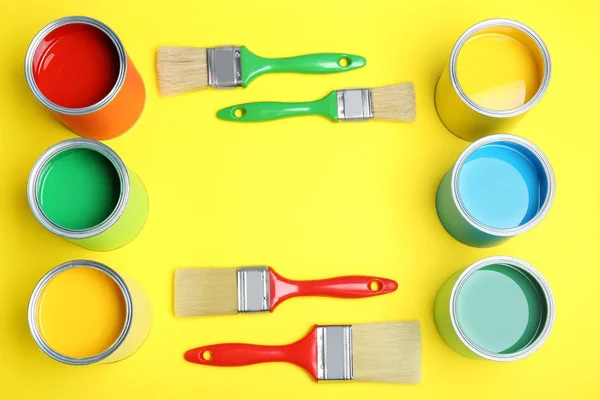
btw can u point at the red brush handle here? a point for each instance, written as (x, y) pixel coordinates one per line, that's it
(348, 287)
(303, 353)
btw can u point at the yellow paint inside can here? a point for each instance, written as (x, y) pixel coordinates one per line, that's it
(499, 70)
(81, 312)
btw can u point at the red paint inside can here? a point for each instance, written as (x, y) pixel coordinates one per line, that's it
(76, 65)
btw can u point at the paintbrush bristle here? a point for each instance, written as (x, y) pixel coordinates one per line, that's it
(394, 102)
(387, 352)
(181, 70)
(205, 291)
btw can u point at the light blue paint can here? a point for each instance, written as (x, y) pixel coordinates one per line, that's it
(500, 186)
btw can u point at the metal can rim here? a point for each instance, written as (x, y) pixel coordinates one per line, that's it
(67, 21)
(503, 232)
(547, 292)
(38, 166)
(35, 296)
(513, 24)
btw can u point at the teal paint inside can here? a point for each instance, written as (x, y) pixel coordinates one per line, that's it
(501, 309)
(79, 189)
(502, 185)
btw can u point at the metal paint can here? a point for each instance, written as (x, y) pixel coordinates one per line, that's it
(122, 218)
(482, 204)
(465, 117)
(506, 297)
(137, 318)
(110, 113)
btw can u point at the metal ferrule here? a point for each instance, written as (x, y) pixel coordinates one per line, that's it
(39, 38)
(224, 67)
(354, 104)
(37, 294)
(334, 353)
(33, 184)
(253, 289)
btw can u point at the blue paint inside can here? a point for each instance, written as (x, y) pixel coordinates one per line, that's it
(502, 185)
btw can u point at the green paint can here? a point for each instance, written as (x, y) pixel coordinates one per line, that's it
(81, 190)
(499, 309)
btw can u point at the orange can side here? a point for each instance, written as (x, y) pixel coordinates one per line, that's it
(118, 116)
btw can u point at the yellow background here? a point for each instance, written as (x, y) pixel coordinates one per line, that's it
(307, 196)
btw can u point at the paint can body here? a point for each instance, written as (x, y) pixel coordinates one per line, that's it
(124, 212)
(136, 324)
(453, 325)
(477, 206)
(118, 104)
(473, 118)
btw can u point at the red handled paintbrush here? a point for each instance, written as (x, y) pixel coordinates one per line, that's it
(380, 352)
(215, 291)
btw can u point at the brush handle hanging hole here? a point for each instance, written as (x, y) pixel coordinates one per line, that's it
(207, 355)
(375, 286)
(239, 112)
(344, 62)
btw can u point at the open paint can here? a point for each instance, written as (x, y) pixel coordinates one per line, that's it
(500, 187)
(498, 70)
(83, 312)
(78, 68)
(499, 309)
(81, 190)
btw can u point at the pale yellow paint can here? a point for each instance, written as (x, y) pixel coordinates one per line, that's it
(498, 70)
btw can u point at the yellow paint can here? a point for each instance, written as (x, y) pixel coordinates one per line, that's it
(498, 70)
(83, 312)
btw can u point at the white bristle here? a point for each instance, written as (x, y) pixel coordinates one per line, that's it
(181, 70)
(394, 102)
(387, 352)
(205, 291)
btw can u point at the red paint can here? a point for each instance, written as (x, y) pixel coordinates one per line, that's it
(78, 68)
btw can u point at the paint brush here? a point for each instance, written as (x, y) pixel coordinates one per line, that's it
(389, 103)
(186, 69)
(221, 291)
(379, 352)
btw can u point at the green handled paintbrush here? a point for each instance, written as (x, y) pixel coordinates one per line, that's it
(391, 103)
(185, 69)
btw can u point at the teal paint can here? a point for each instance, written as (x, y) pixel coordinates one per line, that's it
(499, 309)
(500, 186)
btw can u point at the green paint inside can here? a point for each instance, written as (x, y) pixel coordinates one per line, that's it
(501, 309)
(79, 189)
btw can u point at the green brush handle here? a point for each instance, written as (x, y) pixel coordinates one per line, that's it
(324, 63)
(268, 111)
